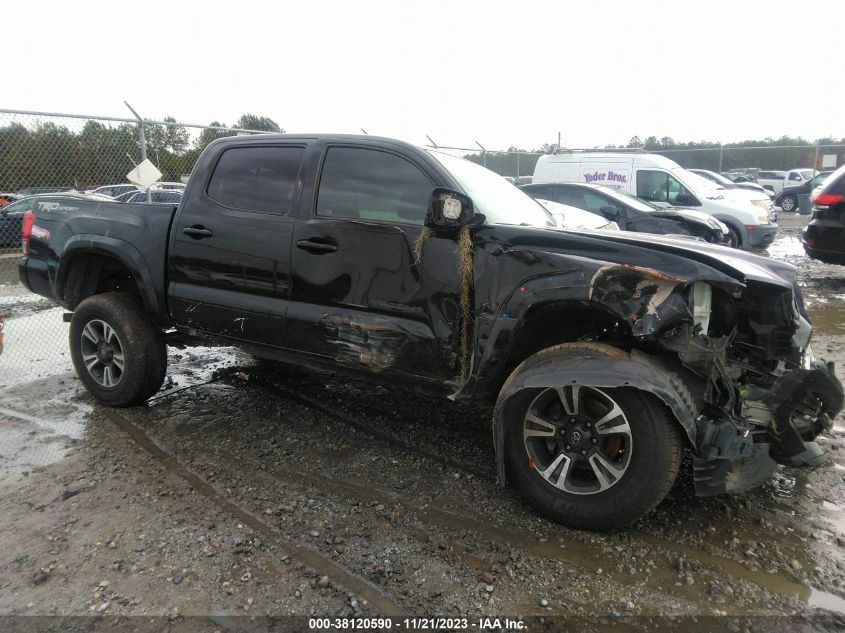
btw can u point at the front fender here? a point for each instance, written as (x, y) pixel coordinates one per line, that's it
(637, 370)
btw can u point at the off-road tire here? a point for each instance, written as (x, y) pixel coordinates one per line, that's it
(143, 347)
(651, 471)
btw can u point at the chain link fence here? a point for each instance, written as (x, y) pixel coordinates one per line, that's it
(51, 153)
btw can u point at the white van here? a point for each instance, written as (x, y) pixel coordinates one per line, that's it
(749, 215)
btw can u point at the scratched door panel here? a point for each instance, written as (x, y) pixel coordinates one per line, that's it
(371, 304)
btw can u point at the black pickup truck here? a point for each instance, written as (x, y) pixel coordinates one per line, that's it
(606, 354)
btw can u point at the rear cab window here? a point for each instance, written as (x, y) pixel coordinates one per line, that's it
(257, 178)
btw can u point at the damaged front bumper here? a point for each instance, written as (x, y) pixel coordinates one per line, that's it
(777, 426)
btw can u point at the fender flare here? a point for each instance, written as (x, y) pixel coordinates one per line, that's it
(637, 370)
(122, 251)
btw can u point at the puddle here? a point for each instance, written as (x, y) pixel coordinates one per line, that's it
(31, 443)
(827, 318)
(826, 600)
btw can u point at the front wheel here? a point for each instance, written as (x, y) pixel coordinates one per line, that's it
(788, 203)
(588, 457)
(119, 355)
(734, 238)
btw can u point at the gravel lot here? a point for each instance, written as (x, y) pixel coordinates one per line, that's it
(251, 489)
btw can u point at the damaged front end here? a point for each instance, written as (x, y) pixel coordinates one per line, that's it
(765, 397)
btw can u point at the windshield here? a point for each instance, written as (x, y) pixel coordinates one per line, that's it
(499, 201)
(638, 204)
(806, 174)
(819, 179)
(694, 180)
(718, 178)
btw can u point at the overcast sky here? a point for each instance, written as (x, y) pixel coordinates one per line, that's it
(501, 73)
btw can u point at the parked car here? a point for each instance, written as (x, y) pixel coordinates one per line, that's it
(161, 196)
(113, 190)
(824, 236)
(8, 198)
(35, 191)
(798, 176)
(606, 353)
(727, 183)
(738, 176)
(771, 180)
(124, 197)
(748, 215)
(11, 224)
(787, 199)
(631, 213)
(169, 186)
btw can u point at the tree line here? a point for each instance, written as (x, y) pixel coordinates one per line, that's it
(52, 155)
(770, 153)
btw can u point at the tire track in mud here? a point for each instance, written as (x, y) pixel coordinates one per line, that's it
(439, 519)
(340, 576)
(280, 392)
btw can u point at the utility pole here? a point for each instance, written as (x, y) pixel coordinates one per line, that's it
(483, 153)
(141, 140)
(558, 141)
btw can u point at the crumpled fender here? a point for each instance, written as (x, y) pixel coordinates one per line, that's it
(637, 370)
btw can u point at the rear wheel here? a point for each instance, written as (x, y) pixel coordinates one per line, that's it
(119, 355)
(589, 457)
(788, 203)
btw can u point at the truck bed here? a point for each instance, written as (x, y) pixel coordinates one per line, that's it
(66, 223)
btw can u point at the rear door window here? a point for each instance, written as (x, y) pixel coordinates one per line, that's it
(257, 178)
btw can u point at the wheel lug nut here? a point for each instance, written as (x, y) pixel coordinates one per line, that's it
(569, 448)
(583, 451)
(587, 424)
(595, 440)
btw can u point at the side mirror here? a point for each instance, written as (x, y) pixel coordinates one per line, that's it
(685, 199)
(610, 210)
(449, 209)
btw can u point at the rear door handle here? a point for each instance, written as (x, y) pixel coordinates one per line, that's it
(314, 246)
(198, 231)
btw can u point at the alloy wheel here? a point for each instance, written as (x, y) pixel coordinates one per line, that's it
(578, 439)
(102, 353)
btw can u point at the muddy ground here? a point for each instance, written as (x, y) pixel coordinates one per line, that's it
(249, 489)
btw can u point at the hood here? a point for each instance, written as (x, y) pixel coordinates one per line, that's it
(665, 254)
(689, 214)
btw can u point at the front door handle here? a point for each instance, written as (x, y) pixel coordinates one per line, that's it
(314, 246)
(197, 231)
